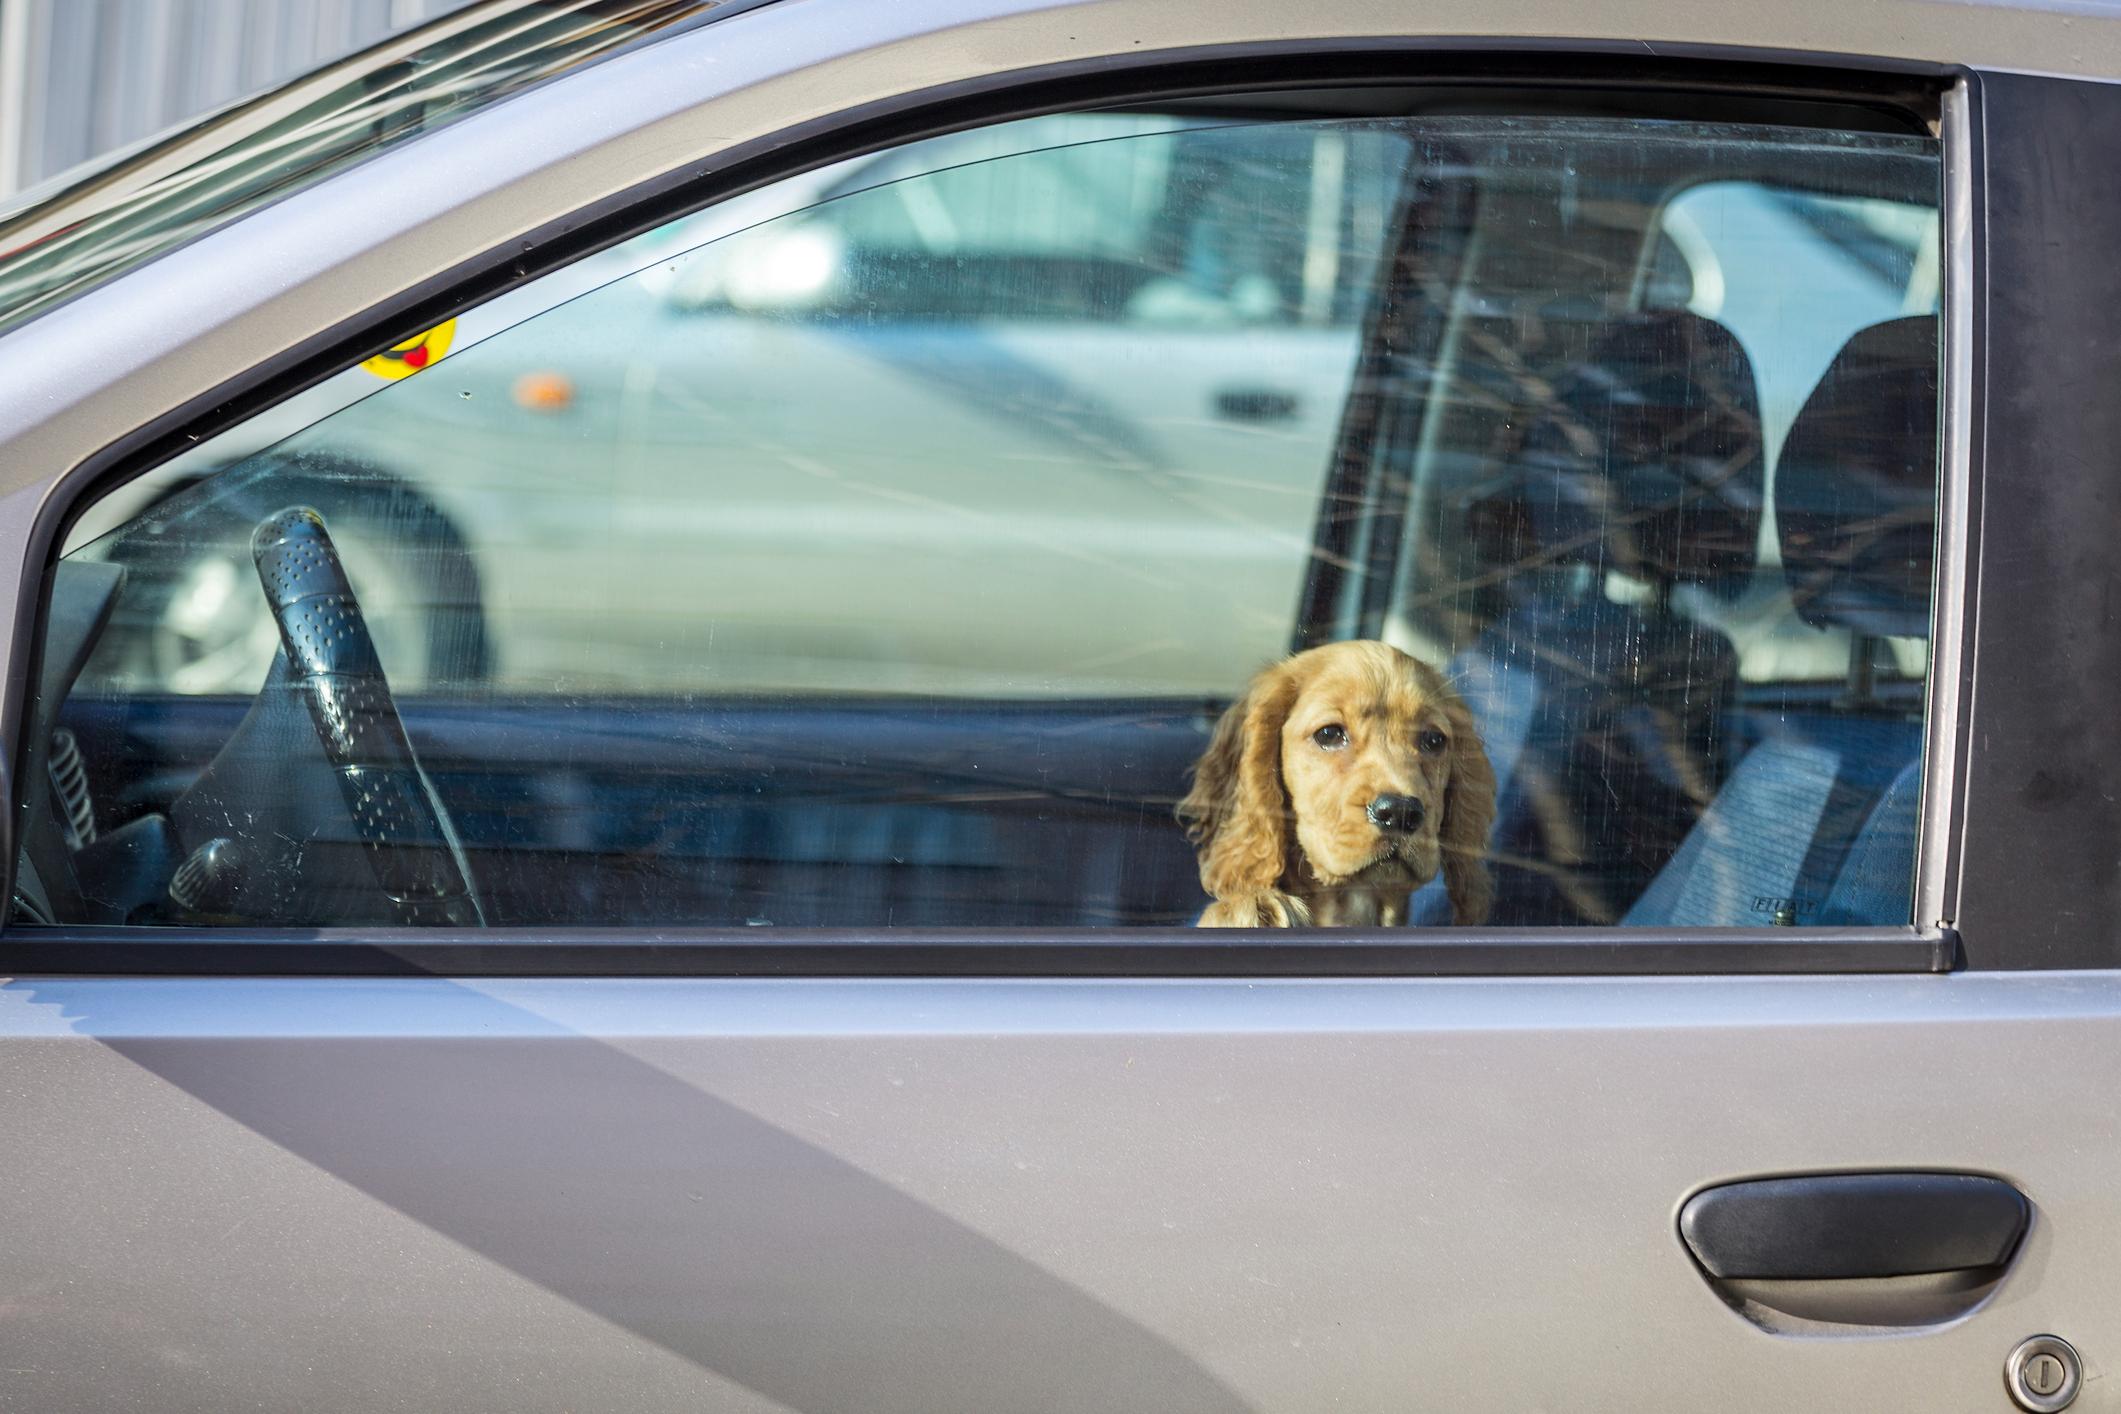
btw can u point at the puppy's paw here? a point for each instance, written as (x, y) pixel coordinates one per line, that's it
(1268, 909)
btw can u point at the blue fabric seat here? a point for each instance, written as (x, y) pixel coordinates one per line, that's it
(1877, 881)
(1783, 841)
(1817, 826)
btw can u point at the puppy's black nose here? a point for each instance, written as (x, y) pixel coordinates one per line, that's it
(1401, 814)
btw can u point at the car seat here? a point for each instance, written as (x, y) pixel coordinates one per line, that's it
(1817, 824)
(1603, 715)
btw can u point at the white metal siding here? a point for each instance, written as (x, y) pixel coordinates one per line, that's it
(80, 77)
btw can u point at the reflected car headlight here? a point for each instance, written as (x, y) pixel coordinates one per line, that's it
(793, 270)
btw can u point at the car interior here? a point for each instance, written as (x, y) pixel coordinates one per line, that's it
(1557, 473)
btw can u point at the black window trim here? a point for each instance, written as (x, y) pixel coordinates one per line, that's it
(973, 952)
(1681, 78)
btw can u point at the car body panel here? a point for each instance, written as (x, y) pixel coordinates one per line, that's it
(932, 1195)
(942, 1193)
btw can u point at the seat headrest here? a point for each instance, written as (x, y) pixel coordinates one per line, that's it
(1856, 486)
(1643, 455)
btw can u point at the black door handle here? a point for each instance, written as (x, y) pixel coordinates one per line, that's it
(1256, 405)
(1854, 1225)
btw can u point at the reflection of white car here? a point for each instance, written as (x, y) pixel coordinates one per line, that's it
(1201, 390)
(1205, 386)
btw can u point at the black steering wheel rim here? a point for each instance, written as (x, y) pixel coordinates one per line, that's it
(331, 659)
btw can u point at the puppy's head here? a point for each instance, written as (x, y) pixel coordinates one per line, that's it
(1348, 765)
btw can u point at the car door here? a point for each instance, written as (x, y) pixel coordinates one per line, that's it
(649, 1140)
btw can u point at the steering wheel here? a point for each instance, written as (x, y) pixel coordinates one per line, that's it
(332, 668)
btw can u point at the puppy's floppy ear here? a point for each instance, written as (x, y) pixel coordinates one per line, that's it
(1468, 816)
(1237, 813)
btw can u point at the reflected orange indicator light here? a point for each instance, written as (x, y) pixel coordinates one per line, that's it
(544, 392)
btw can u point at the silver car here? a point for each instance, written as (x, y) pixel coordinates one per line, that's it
(613, 600)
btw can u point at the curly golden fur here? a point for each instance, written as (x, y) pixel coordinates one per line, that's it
(1286, 800)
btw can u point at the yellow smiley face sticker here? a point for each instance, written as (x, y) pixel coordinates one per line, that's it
(420, 351)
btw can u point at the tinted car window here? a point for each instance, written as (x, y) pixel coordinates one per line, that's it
(912, 558)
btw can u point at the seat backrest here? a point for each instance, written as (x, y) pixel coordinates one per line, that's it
(1642, 456)
(1816, 824)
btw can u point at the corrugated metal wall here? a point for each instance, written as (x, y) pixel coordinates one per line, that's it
(79, 77)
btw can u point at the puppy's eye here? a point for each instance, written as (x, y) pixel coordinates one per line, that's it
(1432, 741)
(1331, 737)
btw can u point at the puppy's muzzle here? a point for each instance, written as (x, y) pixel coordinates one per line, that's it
(1397, 814)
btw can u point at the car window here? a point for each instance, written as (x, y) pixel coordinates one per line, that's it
(926, 552)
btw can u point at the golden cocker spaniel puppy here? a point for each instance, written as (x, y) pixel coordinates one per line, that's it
(1342, 780)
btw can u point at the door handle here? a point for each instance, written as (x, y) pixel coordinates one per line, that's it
(1256, 405)
(1850, 1226)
